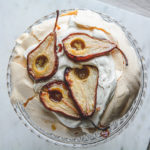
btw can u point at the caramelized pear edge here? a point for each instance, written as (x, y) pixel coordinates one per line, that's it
(68, 83)
(87, 57)
(48, 85)
(55, 67)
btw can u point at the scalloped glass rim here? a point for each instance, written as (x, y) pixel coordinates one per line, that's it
(116, 127)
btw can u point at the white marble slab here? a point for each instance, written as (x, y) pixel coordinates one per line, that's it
(15, 17)
(141, 7)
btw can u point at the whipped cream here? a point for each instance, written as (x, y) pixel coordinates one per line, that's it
(105, 65)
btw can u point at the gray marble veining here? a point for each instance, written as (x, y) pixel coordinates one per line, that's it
(138, 6)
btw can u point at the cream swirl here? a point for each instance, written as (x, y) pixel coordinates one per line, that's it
(105, 64)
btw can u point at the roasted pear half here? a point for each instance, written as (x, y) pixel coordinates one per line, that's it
(42, 62)
(83, 47)
(55, 97)
(82, 83)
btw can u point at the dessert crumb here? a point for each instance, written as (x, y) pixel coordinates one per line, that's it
(60, 47)
(75, 12)
(58, 27)
(28, 100)
(76, 133)
(105, 133)
(53, 127)
(98, 109)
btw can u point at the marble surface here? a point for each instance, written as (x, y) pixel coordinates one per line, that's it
(15, 17)
(141, 7)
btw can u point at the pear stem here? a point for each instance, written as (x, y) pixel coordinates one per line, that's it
(126, 60)
(57, 15)
(99, 128)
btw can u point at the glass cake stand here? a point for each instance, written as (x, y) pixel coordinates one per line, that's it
(90, 139)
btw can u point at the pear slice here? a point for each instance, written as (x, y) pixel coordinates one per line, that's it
(42, 62)
(83, 47)
(120, 61)
(82, 83)
(55, 97)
